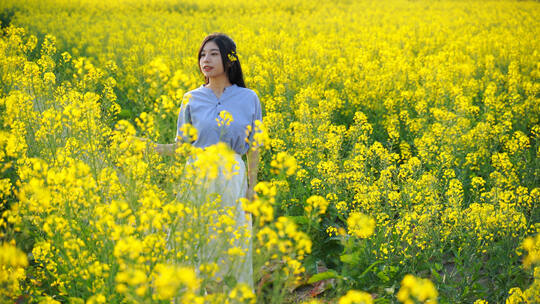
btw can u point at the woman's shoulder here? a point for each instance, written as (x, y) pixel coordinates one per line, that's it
(244, 89)
(197, 90)
(248, 92)
(253, 98)
(196, 93)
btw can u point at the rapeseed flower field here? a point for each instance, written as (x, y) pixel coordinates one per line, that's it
(400, 164)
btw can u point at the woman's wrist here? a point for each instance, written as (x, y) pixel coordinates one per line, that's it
(250, 194)
(166, 149)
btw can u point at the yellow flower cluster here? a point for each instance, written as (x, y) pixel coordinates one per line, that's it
(209, 162)
(316, 204)
(283, 162)
(224, 119)
(532, 245)
(241, 294)
(360, 225)
(413, 288)
(285, 240)
(170, 278)
(532, 293)
(529, 295)
(332, 231)
(12, 269)
(356, 297)
(262, 206)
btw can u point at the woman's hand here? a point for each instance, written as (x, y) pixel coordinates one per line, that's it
(250, 194)
(148, 142)
(143, 139)
(162, 149)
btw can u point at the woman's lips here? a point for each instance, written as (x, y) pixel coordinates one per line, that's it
(207, 68)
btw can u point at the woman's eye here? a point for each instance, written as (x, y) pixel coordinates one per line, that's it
(211, 54)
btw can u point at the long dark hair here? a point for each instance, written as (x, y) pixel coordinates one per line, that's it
(227, 48)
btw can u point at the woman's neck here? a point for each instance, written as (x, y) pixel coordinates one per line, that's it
(218, 84)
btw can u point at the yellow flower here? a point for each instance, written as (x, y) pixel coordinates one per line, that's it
(260, 136)
(332, 231)
(190, 132)
(97, 299)
(283, 161)
(236, 251)
(356, 297)
(360, 225)
(169, 279)
(532, 245)
(12, 270)
(225, 118)
(422, 290)
(316, 203)
(232, 56)
(11, 256)
(242, 293)
(48, 300)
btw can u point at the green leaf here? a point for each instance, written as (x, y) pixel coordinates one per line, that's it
(299, 219)
(230, 281)
(435, 274)
(369, 268)
(383, 276)
(349, 258)
(330, 274)
(73, 300)
(124, 114)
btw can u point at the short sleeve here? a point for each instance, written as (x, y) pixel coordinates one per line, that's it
(184, 117)
(256, 123)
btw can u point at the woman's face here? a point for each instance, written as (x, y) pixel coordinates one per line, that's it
(210, 62)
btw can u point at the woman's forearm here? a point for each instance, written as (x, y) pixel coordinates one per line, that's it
(253, 168)
(165, 149)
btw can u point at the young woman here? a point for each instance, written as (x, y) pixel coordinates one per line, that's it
(224, 90)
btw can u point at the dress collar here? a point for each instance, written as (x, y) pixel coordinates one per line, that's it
(225, 89)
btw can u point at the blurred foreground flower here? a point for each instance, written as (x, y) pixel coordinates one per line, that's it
(413, 288)
(360, 225)
(356, 297)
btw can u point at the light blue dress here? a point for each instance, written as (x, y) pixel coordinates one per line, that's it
(201, 110)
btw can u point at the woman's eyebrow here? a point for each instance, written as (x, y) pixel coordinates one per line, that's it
(212, 50)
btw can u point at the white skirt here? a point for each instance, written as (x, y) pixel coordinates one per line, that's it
(230, 191)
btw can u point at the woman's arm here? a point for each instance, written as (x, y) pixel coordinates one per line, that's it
(165, 149)
(253, 168)
(253, 152)
(162, 149)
